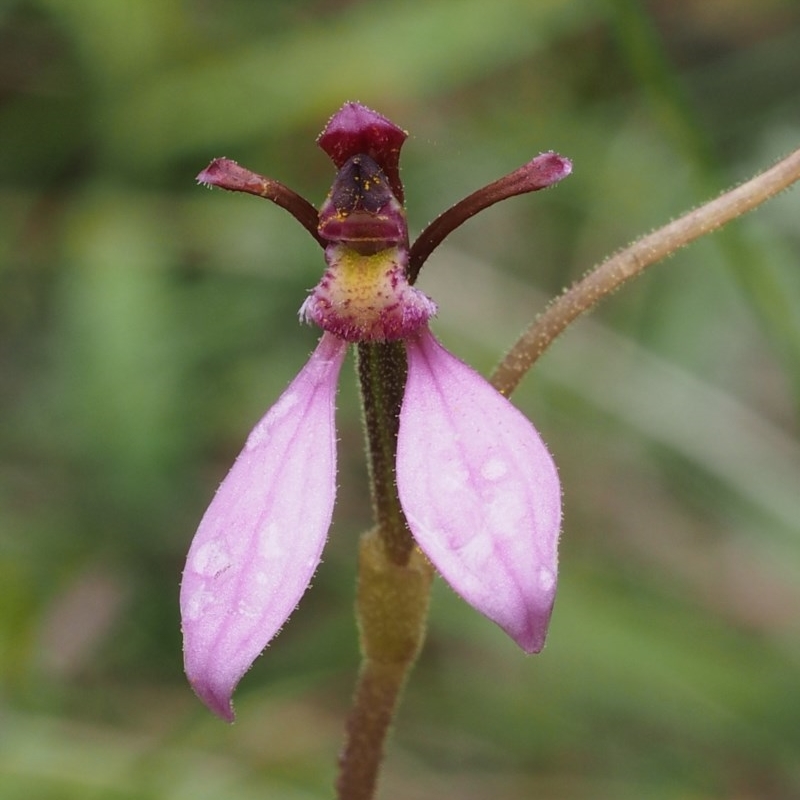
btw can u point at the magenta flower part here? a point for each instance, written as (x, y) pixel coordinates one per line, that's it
(480, 492)
(260, 540)
(477, 485)
(354, 130)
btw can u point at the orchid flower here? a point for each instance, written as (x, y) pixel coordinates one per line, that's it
(478, 487)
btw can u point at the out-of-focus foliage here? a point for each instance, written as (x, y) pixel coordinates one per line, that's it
(145, 324)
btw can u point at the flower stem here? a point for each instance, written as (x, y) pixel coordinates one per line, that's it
(393, 579)
(382, 377)
(628, 263)
(392, 609)
(376, 698)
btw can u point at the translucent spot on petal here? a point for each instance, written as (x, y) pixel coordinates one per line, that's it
(455, 480)
(547, 579)
(477, 551)
(197, 604)
(245, 609)
(211, 558)
(260, 433)
(270, 543)
(494, 469)
(505, 514)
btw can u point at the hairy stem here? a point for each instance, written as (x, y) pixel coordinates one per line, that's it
(382, 377)
(392, 610)
(393, 580)
(376, 698)
(630, 262)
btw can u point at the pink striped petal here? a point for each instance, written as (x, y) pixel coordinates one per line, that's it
(260, 540)
(480, 492)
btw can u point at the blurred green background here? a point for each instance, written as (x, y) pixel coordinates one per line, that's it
(146, 324)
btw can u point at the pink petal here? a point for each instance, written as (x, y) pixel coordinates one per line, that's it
(260, 540)
(480, 492)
